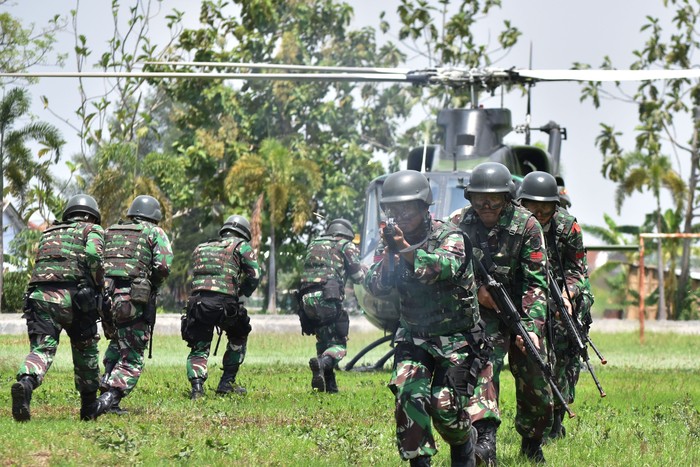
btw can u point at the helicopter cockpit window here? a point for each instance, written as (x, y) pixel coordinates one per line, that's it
(370, 234)
(455, 196)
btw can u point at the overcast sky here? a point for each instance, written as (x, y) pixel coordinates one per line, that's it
(562, 32)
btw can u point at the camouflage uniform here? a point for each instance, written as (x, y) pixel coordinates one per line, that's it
(135, 250)
(224, 269)
(565, 246)
(329, 262)
(438, 343)
(69, 257)
(515, 245)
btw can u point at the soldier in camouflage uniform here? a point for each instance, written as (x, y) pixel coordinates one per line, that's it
(62, 294)
(330, 260)
(224, 269)
(564, 240)
(137, 262)
(511, 244)
(439, 342)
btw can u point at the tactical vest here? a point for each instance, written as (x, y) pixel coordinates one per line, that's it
(559, 228)
(216, 266)
(440, 308)
(325, 263)
(61, 255)
(127, 253)
(505, 257)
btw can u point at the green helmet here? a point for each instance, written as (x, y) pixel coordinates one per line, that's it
(341, 227)
(490, 177)
(539, 186)
(147, 207)
(406, 185)
(237, 224)
(82, 203)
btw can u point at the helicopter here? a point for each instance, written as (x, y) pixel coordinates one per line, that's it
(469, 135)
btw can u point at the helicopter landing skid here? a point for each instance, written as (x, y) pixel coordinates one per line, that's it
(379, 364)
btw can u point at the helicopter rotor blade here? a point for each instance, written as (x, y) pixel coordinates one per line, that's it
(353, 77)
(605, 75)
(279, 66)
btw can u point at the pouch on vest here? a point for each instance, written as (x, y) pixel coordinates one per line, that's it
(85, 299)
(332, 290)
(141, 290)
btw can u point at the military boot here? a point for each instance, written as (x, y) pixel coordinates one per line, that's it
(329, 379)
(532, 449)
(420, 461)
(22, 396)
(558, 429)
(104, 380)
(462, 455)
(485, 448)
(228, 384)
(105, 402)
(318, 368)
(197, 388)
(87, 404)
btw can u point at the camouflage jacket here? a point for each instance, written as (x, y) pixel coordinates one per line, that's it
(331, 259)
(434, 299)
(69, 252)
(225, 265)
(564, 242)
(515, 246)
(136, 248)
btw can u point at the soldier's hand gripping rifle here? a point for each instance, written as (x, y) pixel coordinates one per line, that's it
(573, 331)
(508, 314)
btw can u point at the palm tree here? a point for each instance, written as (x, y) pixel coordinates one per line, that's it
(651, 171)
(287, 182)
(16, 158)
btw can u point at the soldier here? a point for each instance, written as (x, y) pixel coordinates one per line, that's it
(511, 242)
(224, 269)
(62, 294)
(137, 262)
(439, 343)
(330, 259)
(567, 262)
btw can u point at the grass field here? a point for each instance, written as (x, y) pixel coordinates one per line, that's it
(650, 416)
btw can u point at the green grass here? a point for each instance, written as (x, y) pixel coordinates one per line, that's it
(650, 416)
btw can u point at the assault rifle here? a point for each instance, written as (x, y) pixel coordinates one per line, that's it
(574, 330)
(389, 230)
(508, 314)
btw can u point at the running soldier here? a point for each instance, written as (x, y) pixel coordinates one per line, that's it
(567, 262)
(439, 344)
(137, 262)
(511, 245)
(63, 294)
(330, 260)
(224, 270)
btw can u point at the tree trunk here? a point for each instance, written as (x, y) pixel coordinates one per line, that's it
(661, 316)
(272, 281)
(684, 278)
(2, 215)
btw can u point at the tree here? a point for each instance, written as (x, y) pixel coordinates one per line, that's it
(442, 34)
(648, 170)
(661, 106)
(16, 158)
(288, 183)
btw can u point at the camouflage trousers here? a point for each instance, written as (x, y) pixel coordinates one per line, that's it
(205, 312)
(123, 359)
(332, 333)
(567, 366)
(534, 406)
(423, 394)
(44, 325)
